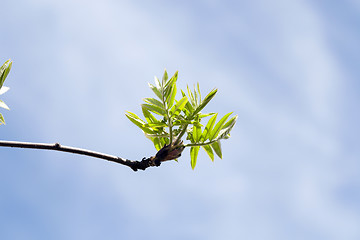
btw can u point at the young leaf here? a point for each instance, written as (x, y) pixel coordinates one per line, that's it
(171, 98)
(193, 154)
(188, 106)
(217, 148)
(2, 120)
(218, 127)
(154, 102)
(164, 141)
(157, 143)
(225, 130)
(154, 109)
(138, 122)
(205, 101)
(156, 91)
(4, 90)
(196, 96)
(198, 88)
(196, 133)
(172, 81)
(164, 78)
(209, 151)
(4, 71)
(205, 115)
(148, 116)
(178, 107)
(191, 96)
(157, 83)
(208, 128)
(3, 105)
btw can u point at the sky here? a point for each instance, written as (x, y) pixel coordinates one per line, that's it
(288, 69)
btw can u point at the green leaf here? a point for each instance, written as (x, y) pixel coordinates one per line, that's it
(157, 143)
(194, 151)
(169, 90)
(164, 78)
(154, 102)
(156, 91)
(218, 127)
(157, 83)
(148, 116)
(191, 97)
(206, 115)
(205, 101)
(4, 90)
(172, 81)
(138, 122)
(198, 89)
(4, 71)
(2, 120)
(154, 109)
(3, 105)
(188, 106)
(197, 97)
(134, 119)
(178, 107)
(216, 146)
(208, 128)
(225, 130)
(164, 141)
(171, 98)
(209, 151)
(196, 133)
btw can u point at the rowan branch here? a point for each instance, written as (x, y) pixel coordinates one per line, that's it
(134, 165)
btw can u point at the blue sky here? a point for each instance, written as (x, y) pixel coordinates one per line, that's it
(289, 69)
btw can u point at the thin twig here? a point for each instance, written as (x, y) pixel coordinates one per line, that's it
(134, 165)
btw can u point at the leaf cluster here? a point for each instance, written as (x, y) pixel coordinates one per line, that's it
(4, 71)
(167, 119)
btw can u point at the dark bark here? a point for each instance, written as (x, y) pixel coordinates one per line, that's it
(134, 165)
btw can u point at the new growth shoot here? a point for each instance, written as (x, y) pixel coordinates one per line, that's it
(167, 120)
